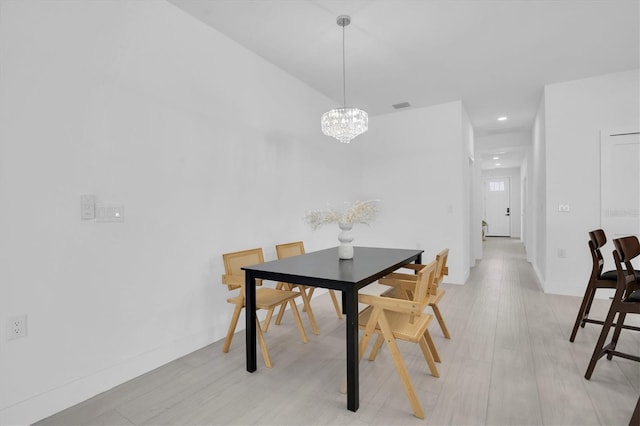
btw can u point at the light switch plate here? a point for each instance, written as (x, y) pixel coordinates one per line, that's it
(87, 207)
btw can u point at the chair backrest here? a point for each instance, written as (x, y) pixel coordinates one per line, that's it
(441, 267)
(597, 239)
(233, 262)
(290, 249)
(627, 249)
(425, 282)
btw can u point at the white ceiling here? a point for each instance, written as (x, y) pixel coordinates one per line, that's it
(494, 55)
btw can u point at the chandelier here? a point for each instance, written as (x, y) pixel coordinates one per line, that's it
(344, 123)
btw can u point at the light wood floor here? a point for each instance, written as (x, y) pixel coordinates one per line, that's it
(509, 362)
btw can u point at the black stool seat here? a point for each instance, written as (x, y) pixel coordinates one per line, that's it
(613, 275)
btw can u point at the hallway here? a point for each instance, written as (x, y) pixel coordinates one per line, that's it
(509, 362)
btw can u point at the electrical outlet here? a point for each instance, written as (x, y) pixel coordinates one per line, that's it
(17, 327)
(110, 213)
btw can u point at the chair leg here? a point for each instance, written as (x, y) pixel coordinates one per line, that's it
(597, 351)
(635, 417)
(616, 333)
(307, 308)
(443, 326)
(426, 351)
(582, 312)
(263, 344)
(267, 320)
(334, 299)
(432, 346)
(296, 314)
(284, 305)
(376, 347)
(402, 369)
(588, 307)
(232, 328)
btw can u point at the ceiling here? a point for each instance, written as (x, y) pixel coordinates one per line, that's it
(494, 55)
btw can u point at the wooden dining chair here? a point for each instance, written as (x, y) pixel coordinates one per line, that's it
(401, 319)
(295, 249)
(288, 250)
(435, 293)
(626, 300)
(266, 298)
(597, 280)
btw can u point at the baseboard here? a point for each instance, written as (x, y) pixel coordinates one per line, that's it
(69, 394)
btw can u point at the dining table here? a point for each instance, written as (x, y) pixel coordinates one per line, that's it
(325, 269)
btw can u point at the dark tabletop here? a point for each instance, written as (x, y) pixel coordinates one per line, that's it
(324, 265)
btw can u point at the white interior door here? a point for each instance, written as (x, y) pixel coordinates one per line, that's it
(620, 183)
(497, 208)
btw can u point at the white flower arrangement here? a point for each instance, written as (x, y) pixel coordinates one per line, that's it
(358, 212)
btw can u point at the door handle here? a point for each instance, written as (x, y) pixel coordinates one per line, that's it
(508, 212)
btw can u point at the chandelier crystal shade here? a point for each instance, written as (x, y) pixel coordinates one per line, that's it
(344, 123)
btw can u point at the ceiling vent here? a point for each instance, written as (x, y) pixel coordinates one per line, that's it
(401, 105)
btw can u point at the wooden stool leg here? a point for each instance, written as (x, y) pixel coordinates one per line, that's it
(635, 417)
(598, 352)
(616, 333)
(582, 312)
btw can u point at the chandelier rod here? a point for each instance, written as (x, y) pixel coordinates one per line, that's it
(344, 72)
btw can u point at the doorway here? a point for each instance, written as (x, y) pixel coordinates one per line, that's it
(497, 206)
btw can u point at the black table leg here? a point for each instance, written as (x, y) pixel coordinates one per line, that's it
(350, 297)
(344, 302)
(250, 317)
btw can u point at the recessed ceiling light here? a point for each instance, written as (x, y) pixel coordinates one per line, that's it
(502, 118)
(496, 158)
(497, 164)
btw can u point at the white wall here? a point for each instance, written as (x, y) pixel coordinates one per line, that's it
(514, 195)
(575, 113)
(536, 249)
(417, 165)
(210, 149)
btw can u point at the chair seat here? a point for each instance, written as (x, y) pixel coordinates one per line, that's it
(267, 298)
(613, 276)
(400, 324)
(609, 276)
(634, 297)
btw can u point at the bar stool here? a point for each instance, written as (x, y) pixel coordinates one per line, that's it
(625, 301)
(597, 280)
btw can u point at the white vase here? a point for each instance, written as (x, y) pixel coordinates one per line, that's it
(345, 250)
